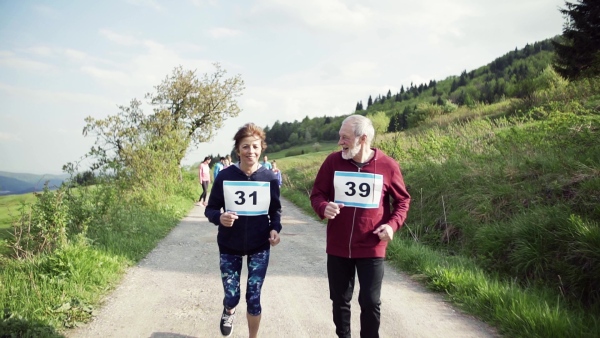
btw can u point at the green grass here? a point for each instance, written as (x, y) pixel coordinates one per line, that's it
(107, 229)
(505, 211)
(9, 208)
(303, 149)
(10, 211)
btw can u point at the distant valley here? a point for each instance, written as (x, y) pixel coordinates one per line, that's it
(21, 183)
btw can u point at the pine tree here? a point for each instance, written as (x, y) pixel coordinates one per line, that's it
(370, 102)
(578, 50)
(453, 86)
(359, 106)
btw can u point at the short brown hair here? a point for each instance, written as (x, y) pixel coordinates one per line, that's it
(248, 130)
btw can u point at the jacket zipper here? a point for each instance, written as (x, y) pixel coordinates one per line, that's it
(352, 229)
(246, 228)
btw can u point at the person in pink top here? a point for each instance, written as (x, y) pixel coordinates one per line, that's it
(204, 177)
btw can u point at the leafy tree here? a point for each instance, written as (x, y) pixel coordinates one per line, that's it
(198, 105)
(380, 122)
(187, 110)
(293, 139)
(578, 51)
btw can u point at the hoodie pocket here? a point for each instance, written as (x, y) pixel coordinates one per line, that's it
(363, 233)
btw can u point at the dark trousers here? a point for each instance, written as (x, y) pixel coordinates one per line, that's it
(204, 189)
(341, 273)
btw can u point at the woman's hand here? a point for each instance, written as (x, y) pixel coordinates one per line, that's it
(227, 218)
(274, 238)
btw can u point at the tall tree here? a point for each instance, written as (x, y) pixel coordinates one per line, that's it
(200, 105)
(578, 50)
(187, 110)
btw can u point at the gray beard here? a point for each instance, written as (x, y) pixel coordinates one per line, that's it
(348, 155)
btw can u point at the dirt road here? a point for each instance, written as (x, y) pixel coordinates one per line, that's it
(176, 292)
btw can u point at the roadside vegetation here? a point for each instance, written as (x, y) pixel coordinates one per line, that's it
(505, 211)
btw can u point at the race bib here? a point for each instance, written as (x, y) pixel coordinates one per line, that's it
(247, 198)
(360, 190)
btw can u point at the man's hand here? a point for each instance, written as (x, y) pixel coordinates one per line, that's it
(385, 232)
(332, 209)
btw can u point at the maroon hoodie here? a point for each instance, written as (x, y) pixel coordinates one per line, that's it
(350, 234)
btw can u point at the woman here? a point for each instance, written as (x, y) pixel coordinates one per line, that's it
(249, 195)
(277, 172)
(204, 177)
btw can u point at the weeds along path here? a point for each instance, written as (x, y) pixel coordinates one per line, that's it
(176, 292)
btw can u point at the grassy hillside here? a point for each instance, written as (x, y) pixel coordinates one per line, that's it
(505, 215)
(511, 76)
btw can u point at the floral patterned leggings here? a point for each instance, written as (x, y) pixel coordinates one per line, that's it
(231, 268)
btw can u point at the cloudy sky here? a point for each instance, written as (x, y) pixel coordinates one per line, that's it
(61, 61)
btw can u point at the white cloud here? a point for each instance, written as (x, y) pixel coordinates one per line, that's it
(107, 75)
(55, 96)
(9, 137)
(46, 11)
(41, 50)
(147, 3)
(120, 39)
(75, 54)
(221, 32)
(317, 14)
(202, 3)
(10, 60)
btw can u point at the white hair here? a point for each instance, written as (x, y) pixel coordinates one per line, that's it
(361, 126)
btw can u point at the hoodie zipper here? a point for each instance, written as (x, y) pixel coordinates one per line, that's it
(246, 226)
(354, 216)
(352, 228)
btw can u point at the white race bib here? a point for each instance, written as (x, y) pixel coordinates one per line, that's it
(356, 189)
(248, 198)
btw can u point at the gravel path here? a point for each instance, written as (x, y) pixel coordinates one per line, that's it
(176, 292)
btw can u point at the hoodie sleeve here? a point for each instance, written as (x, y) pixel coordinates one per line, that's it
(400, 197)
(216, 202)
(275, 206)
(322, 188)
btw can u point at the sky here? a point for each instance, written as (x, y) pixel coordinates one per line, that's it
(62, 61)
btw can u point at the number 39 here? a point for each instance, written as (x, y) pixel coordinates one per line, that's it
(364, 188)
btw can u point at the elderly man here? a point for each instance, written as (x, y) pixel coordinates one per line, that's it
(353, 189)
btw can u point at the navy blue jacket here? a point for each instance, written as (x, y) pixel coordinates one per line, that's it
(249, 234)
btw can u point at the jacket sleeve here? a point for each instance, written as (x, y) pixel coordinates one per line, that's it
(400, 198)
(322, 188)
(275, 206)
(216, 202)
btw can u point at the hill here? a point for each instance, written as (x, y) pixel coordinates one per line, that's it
(511, 76)
(21, 183)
